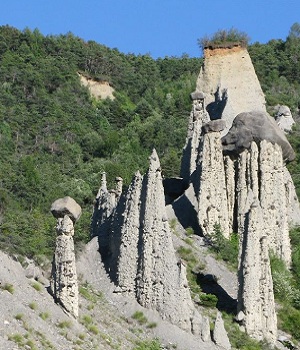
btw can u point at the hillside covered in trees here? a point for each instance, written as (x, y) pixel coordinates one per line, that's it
(56, 139)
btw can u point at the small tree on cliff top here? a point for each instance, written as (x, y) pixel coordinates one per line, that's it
(224, 38)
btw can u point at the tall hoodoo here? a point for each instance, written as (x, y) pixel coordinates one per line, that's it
(198, 117)
(256, 306)
(212, 198)
(105, 203)
(273, 200)
(63, 283)
(124, 238)
(161, 280)
(220, 80)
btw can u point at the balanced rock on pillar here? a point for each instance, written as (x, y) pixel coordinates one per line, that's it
(63, 282)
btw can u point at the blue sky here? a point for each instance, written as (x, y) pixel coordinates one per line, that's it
(158, 27)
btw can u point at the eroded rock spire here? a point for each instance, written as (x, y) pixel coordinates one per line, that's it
(63, 282)
(256, 306)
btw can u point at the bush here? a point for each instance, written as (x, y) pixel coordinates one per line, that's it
(9, 287)
(289, 320)
(226, 249)
(224, 38)
(140, 317)
(148, 345)
(284, 284)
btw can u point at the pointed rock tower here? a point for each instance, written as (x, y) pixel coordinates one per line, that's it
(256, 305)
(161, 279)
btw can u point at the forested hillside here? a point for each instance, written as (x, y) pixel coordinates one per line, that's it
(56, 140)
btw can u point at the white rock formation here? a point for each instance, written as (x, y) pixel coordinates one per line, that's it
(256, 306)
(105, 204)
(63, 283)
(198, 117)
(124, 239)
(212, 198)
(220, 80)
(284, 118)
(161, 279)
(262, 171)
(273, 200)
(142, 260)
(220, 336)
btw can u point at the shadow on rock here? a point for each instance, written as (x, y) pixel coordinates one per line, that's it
(210, 285)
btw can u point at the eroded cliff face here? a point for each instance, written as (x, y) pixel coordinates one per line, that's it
(142, 261)
(229, 83)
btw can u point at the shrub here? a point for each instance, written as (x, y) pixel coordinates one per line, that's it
(226, 249)
(19, 317)
(189, 231)
(284, 284)
(17, 338)
(140, 317)
(64, 324)
(44, 315)
(9, 287)
(224, 38)
(208, 300)
(289, 320)
(37, 286)
(93, 329)
(32, 305)
(151, 325)
(148, 345)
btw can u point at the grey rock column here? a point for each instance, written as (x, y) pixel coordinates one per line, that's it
(63, 282)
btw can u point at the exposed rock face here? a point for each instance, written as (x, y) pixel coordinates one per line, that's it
(142, 261)
(213, 206)
(284, 118)
(220, 81)
(63, 281)
(98, 89)
(220, 336)
(256, 306)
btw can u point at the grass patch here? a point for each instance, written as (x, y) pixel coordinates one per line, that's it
(44, 315)
(19, 317)
(64, 324)
(33, 305)
(189, 231)
(151, 325)
(148, 345)
(289, 320)
(188, 241)
(93, 329)
(140, 317)
(89, 294)
(17, 338)
(240, 340)
(9, 287)
(37, 286)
